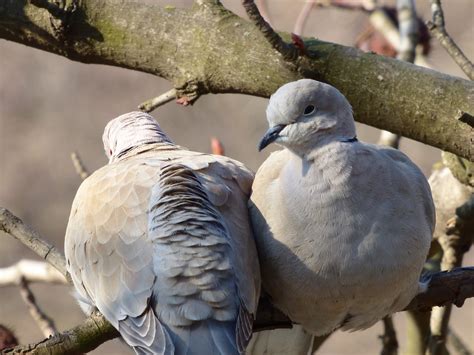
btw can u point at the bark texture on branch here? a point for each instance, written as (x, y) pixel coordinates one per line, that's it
(444, 288)
(14, 226)
(86, 337)
(44, 322)
(207, 49)
(438, 30)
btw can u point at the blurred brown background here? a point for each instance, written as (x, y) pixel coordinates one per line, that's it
(50, 106)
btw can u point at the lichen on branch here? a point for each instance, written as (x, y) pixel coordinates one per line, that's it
(208, 49)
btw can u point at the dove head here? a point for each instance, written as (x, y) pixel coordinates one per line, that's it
(129, 131)
(305, 114)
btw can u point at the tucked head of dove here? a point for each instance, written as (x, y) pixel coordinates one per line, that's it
(131, 130)
(306, 113)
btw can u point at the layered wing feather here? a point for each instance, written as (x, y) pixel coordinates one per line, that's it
(150, 243)
(110, 256)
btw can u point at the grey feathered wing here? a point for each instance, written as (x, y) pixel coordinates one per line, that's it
(165, 286)
(235, 182)
(109, 253)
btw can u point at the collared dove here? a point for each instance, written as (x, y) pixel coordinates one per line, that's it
(342, 227)
(159, 241)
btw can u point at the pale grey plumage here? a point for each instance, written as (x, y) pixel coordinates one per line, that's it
(342, 227)
(160, 242)
(294, 341)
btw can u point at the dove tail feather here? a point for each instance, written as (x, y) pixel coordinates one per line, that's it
(146, 335)
(205, 337)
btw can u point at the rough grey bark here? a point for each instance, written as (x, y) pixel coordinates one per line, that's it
(438, 30)
(81, 339)
(444, 288)
(207, 49)
(14, 226)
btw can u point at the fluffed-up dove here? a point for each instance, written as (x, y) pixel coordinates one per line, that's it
(342, 227)
(159, 241)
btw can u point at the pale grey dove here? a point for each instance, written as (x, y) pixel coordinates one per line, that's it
(159, 240)
(342, 227)
(294, 341)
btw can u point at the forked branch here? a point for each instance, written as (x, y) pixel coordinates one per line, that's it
(438, 30)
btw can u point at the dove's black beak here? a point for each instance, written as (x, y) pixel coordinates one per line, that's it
(270, 136)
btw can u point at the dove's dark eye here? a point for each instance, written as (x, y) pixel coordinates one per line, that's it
(309, 110)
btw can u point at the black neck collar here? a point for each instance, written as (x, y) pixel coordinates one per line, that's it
(350, 140)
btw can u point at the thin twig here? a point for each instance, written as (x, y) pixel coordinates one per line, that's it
(288, 51)
(408, 40)
(262, 6)
(45, 323)
(30, 271)
(217, 147)
(14, 226)
(463, 220)
(408, 28)
(81, 170)
(382, 23)
(303, 17)
(389, 139)
(438, 30)
(457, 344)
(158, 101)
(389, 338)
(83, 338)
(365, 5)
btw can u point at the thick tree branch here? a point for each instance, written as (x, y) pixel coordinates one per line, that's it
(207, 49)
(444, 288)
(95, 331)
